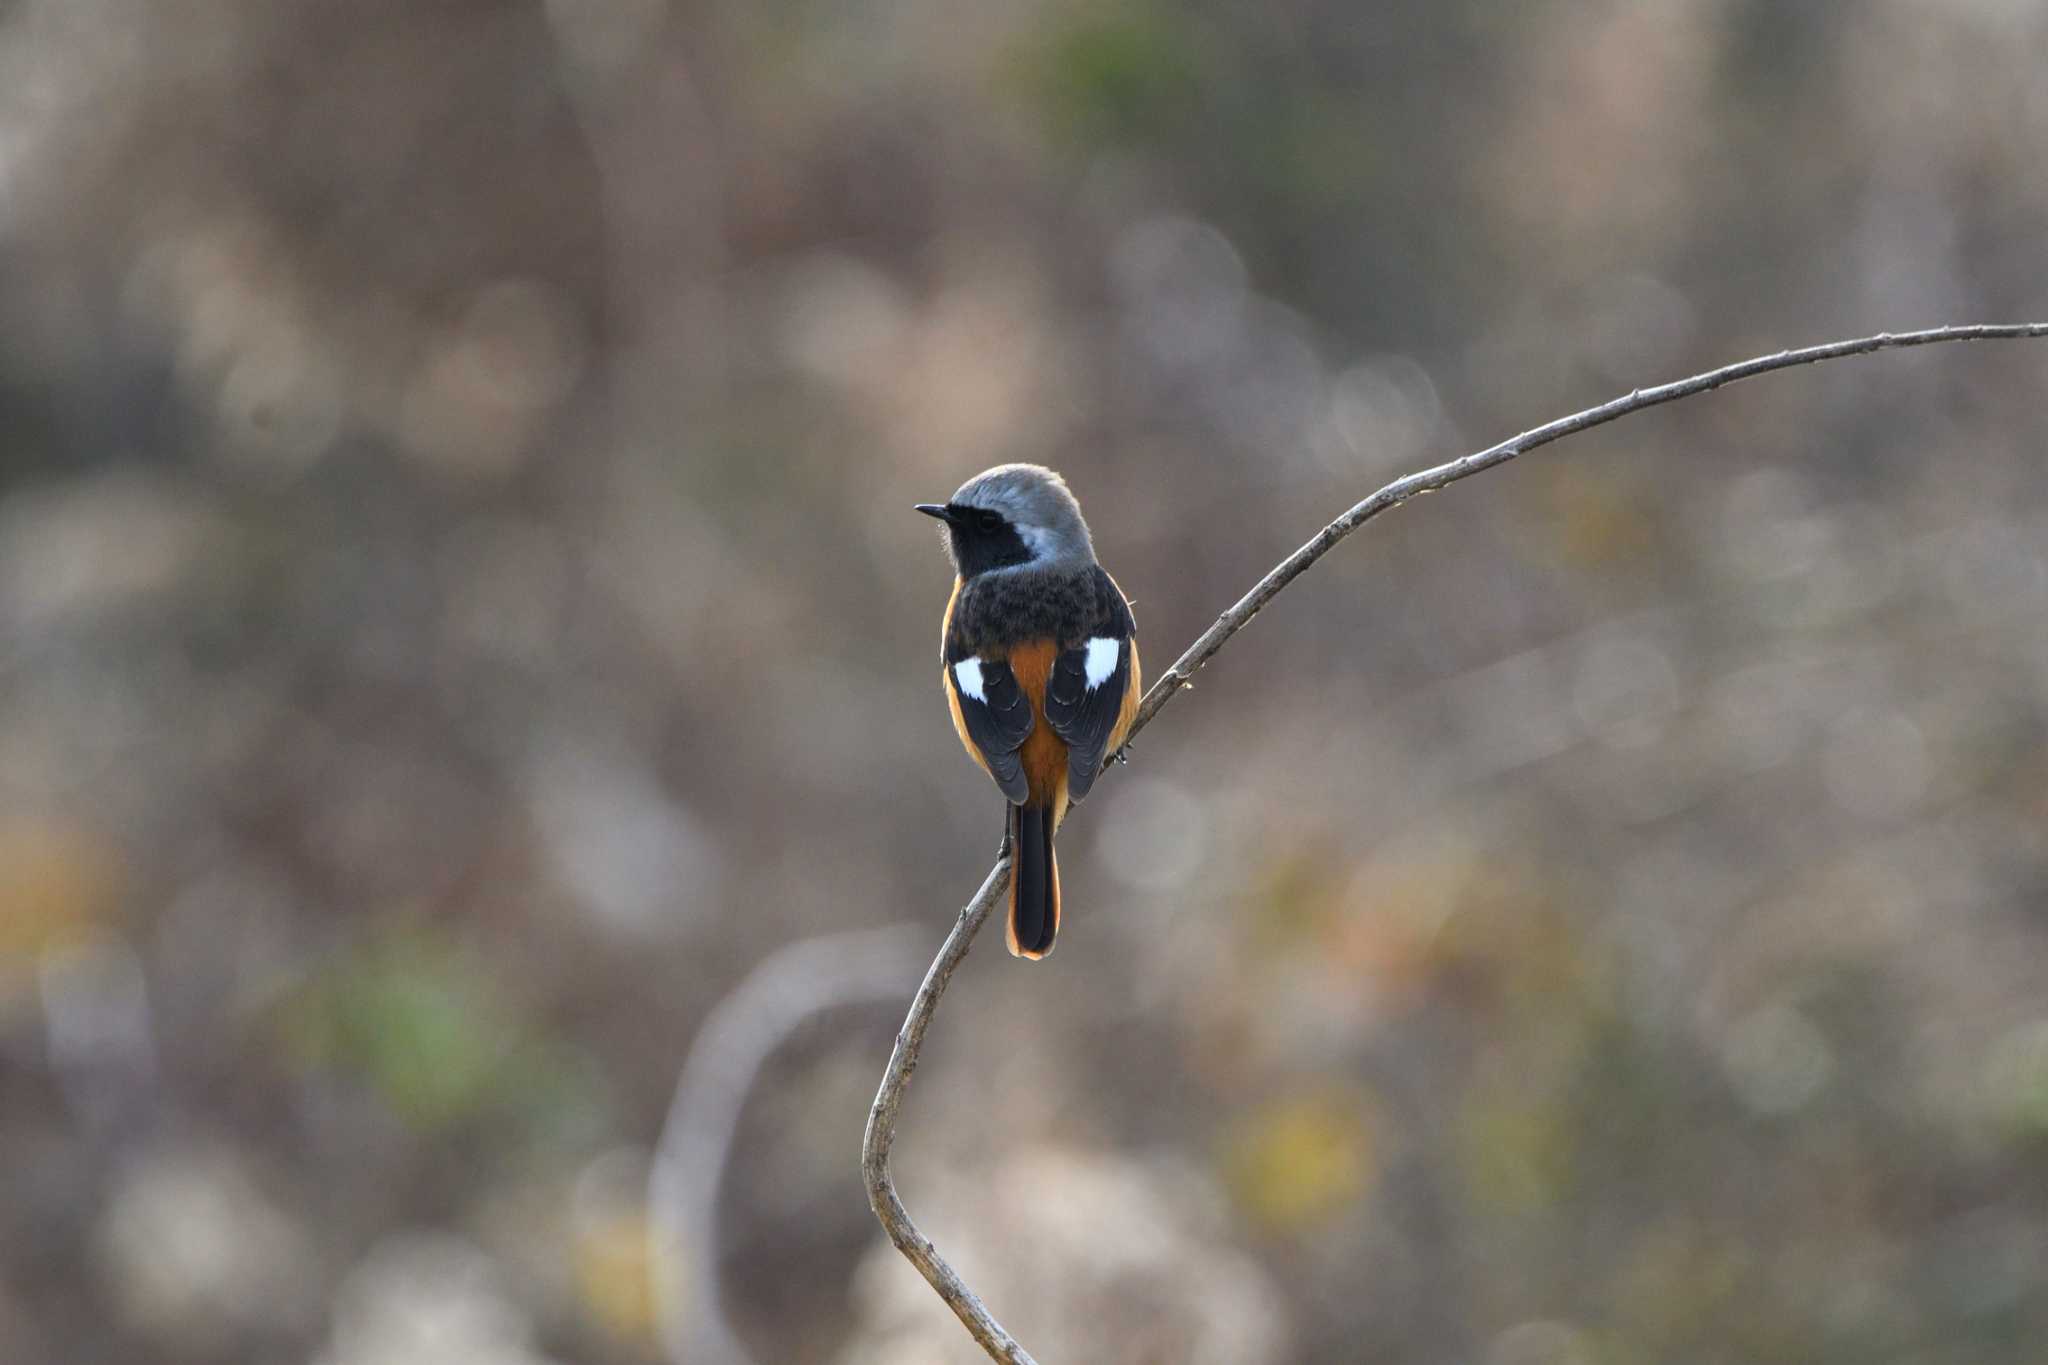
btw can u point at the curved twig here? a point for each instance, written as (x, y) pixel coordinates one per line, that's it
(881, 1132)
(881, 1129)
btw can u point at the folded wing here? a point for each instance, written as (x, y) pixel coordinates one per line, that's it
(1089, 695)
(994, 719)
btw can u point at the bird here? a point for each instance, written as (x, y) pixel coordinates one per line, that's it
(1039, 661)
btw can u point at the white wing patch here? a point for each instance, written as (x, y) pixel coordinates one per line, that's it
(1102, 657)
(967, 673)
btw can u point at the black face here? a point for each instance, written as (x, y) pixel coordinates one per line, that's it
(982, 540)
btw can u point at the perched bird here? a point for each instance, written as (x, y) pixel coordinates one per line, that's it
(1039, 666)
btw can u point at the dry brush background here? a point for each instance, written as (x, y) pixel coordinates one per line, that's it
(459, 613)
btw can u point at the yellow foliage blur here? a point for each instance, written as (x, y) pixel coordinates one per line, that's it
(1303, 1161)
(56, 881)
(614, 1276)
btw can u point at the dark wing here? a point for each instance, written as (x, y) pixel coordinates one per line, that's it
(1085, 694)
(993, 716)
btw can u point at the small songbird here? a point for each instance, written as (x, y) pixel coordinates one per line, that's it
(1039, 666)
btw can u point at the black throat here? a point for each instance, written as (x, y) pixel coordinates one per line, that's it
(983, 541)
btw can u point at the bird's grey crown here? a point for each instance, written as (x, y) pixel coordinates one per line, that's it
(1037, 502)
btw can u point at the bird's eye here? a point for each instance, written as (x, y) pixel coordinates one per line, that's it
(987, 522)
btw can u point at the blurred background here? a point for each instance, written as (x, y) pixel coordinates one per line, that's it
(465, 649)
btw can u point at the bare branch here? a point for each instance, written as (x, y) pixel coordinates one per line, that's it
(881, 1130)
(881, 1133)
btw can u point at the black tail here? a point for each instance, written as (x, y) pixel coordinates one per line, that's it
(1034, 882)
